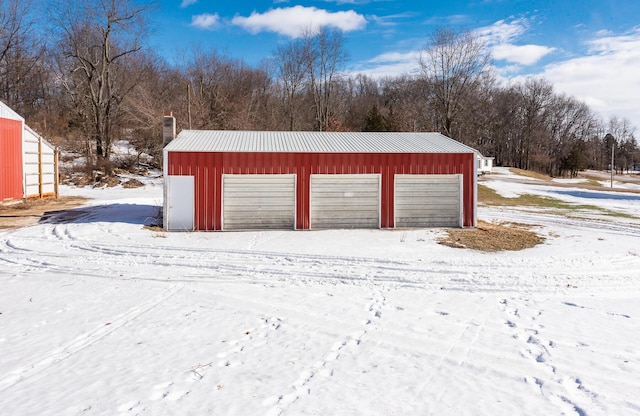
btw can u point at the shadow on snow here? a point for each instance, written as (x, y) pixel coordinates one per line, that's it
(113, 213)
(599, 195)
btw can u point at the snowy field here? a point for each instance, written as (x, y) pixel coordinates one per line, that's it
(99, 316)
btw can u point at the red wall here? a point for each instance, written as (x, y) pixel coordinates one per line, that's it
(208, 168)
(10, 159)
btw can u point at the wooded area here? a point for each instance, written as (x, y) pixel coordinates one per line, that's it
(87, 79)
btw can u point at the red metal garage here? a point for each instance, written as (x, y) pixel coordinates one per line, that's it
(227, 180)
(11, 173)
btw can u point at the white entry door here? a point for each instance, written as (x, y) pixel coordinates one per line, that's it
(179, 204)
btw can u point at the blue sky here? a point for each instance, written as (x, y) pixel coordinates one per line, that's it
(589, 49)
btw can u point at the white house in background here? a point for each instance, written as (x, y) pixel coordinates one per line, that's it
(485, 164)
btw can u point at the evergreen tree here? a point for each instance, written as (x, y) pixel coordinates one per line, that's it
(374, 120)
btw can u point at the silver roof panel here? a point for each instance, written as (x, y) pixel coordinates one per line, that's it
(313, 142)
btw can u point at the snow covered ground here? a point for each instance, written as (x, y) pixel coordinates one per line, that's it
(99, 316)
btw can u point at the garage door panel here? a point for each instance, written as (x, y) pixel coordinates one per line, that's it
(344, 213)
(266, 199)
(258, 202)
(241, 224)
(428, 201)
(345, 201)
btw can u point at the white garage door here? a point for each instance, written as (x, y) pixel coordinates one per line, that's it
(428, 201)
(345, 201)
(252, 202)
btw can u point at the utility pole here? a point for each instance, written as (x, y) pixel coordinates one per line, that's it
(189, 104)
(609, 138)
(613, 146)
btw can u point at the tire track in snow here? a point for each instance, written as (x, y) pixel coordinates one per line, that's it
(199, 264)
(631, 229)
(68, 349)
(450, 274)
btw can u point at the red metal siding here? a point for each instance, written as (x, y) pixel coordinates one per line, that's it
(208, 168)
(10, 159)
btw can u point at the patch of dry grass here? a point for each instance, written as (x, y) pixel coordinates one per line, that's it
(492, 237)
(530, 174)
(156, 228)
(30, 211)
(591, 183)
(132, 183)
(489, 196)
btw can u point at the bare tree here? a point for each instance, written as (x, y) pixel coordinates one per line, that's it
(21, 68)
(13, 24)
(292, 70)
(406, 98)
(324, 55)
(571, 123)
(98, 41)
(625, 142)
(454, 63)
(536, 97)
(227, 93)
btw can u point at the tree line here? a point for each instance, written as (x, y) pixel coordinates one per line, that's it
(86, 78)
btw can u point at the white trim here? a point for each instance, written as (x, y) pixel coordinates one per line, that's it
(165, 202)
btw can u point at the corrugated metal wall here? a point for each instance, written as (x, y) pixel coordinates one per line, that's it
(208, 168)
(11, 186)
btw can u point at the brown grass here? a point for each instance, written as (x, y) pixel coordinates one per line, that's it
(132, 183)
(591, 183)
(492, 237)
(23, 213)
(530, 174)
(488, 196)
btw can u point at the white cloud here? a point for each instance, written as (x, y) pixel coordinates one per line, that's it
(502, 31)
(523, 55)
(411, 56)
(291, 21)
(390, 64)
(500, 38)
(606, 78)
(606, 42)
(205, 20)
(186, 3)
(451, 20)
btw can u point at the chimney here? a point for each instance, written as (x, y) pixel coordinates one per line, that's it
(168, 128)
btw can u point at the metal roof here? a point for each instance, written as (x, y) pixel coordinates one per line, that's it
(313, 142)
(8, 113)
